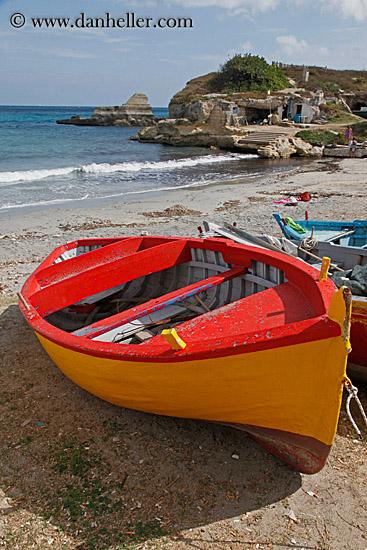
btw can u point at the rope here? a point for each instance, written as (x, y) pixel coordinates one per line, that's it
(309, 243)
(353, 392)
(314, 255)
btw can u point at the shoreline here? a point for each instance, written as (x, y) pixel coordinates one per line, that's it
(337, 188)
(280, 166)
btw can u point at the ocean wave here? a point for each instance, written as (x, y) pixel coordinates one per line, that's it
(162, 165)
(105, 168)
(33, 175)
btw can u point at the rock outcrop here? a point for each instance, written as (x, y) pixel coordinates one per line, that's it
(181, 132)
(288, 104)
(135, 112)
(214, 132)
(288, 146)
(344, 88)
(243, 111)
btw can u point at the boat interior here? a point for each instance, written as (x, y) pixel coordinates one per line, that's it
(128, 290)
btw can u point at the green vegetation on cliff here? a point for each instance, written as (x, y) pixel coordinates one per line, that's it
(325, 137)
(243, 73)
(321, 137)
(247, 75)
(331, 81)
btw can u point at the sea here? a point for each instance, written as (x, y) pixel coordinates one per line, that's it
(45, 165)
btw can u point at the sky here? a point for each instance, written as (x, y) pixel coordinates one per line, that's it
(105, 66)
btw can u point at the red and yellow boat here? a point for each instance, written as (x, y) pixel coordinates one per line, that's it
(199, 328)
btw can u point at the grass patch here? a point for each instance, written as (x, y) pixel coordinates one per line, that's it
(324, 137)
(143, 531)
(75, 459)
(84, 499)
(320, 137)
(25, 441)
(337, 113)
(81, 494)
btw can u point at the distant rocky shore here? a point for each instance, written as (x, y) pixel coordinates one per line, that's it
(135, 112)
(271, 142)
(266, 125)
(217, 131)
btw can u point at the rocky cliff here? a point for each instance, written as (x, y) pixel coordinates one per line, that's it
(245, 121)
(217, 132)
(135, 112)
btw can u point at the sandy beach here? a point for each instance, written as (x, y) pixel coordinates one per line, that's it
(338, 190)
(153, 482)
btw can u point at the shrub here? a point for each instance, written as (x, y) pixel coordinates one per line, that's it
(332, 87)
(247, 72)
(323, 137)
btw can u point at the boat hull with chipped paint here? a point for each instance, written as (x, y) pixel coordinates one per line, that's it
(264, 345)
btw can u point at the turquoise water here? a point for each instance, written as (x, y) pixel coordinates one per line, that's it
(43, 164)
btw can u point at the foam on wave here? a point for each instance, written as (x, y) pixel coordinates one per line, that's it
(105, 168)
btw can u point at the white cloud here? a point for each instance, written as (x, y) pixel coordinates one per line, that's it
(273, 29)
(140, 3)
(247, 46)
(345, 29)
(122, 50)
(8, 33)
(290, 45)
(133, 3)
(115, 40)
(236, 6)
(170, 61)
(356, 9)
(215, 59)
(348, 8)
(299, 49)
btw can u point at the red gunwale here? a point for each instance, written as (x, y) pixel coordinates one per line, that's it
(78, 264)
(31, 283)
(304, 276)
(77, 286)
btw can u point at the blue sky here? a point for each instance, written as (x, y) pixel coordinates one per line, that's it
(105, 66)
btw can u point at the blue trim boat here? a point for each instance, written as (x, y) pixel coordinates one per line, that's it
(340, 233)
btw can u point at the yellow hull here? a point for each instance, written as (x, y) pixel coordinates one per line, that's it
(295, 389)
